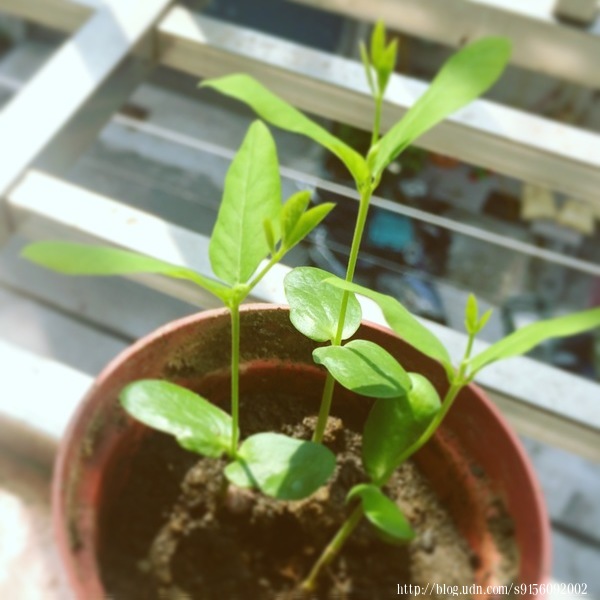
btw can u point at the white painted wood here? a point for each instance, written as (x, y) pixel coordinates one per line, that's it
(38, 398)
(580, 11)
(508, 141)
(56, 14)
(100, 53)
(540, 42)
(547, 404)
(107, 221)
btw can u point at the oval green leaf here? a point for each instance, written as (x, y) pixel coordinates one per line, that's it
(365, 368)
(278, 112)
(280, 466)
(395, 424)
(251, 196)
(465, 76)
(525, 339)
(84, 259)
(384, 514)
(402, 322)
(315, 307)
(197, 424)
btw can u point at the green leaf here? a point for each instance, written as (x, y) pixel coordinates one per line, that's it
(315, 308)
(278, 112)
(526, 338)
(484, 319)
(308, 221)
(465, 76)
(367, 66)
(388, 63)
(197, 424)
(84, 259)
(281, 466)
(365, 368)
(252, 194)
(269, 235)
(471, 315)
(377, 44)
(292, 210)
(384, 514)
(401, 321)
(394, 424)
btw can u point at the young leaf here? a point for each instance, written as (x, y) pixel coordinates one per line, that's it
(465, 76)
(364, 368)
(197, 424)
(471, 315)
(388, 63)
(526, 338)
(291, 212)
(394, 424)
(367, 66)
(84, 259)
(401, 321)
(280, 466)
(278, 112)
(308, 221)
(315, 308)
(252, 194)
(269, 235)
(384, 514)
(378, 44)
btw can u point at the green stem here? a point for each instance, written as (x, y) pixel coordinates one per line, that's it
(257, 278)
(333, 547)
(235, 375)
(359, 228)
(377, 119)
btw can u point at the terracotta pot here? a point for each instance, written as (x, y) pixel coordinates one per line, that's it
(94, 456)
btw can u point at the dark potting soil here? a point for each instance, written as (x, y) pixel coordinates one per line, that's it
(177, 531)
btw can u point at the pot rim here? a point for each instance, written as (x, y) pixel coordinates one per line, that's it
(69, 444)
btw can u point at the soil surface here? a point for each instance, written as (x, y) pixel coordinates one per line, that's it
(177, 531)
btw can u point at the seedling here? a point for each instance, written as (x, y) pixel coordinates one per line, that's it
(253, 227)
(253, 232)
(407, 410)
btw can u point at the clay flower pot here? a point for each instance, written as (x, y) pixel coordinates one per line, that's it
(96, 453)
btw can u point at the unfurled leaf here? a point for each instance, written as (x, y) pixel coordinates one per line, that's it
(280, 466)
(278, 112)
(365, 368)
(401, 321)
(197, 424)
(394, 424)
(251, 196)
(384, 514)
(315, 306)
(84, 259)
(465, 76)
(526, 338)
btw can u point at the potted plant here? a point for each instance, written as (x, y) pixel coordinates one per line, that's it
(252, 391)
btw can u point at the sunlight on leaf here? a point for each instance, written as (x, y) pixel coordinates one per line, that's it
(365, 368)
(197, 424)
(84, 259)
(315, 307)
(280, 466)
